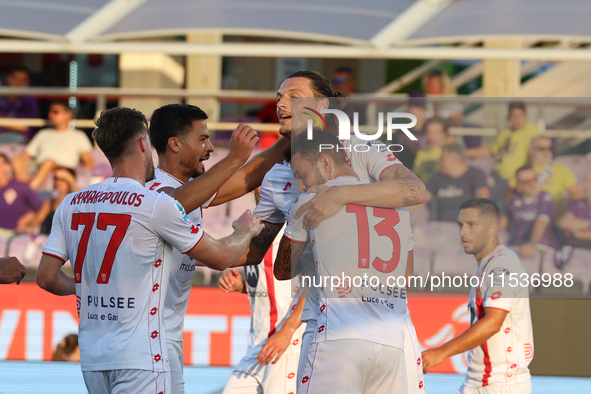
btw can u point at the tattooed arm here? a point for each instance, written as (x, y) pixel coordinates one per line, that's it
(398, 187)
(288, 251)
(259, 245)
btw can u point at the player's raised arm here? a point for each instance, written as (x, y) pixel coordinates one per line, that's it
(250, 176)
(195, 193)
(259, 245)
(398, 187)
(473, 337)
(50, 276)
(220, 254)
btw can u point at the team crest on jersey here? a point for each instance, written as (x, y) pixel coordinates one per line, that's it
(182, 212)
(252, 275)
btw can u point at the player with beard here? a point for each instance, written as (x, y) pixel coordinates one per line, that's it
(499, 341)
(118, 236)
(394, 186)
(180, 136)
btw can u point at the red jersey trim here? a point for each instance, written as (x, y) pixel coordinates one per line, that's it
(271, 290)
(496, 307)
(196, 243)
(395, 164)
(297, 242)
(266, 221)
(57, 257)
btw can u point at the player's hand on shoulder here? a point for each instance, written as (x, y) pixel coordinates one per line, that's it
(248, 223)
(326, 203)
(231, 280)
(11, 270)
(242, 142)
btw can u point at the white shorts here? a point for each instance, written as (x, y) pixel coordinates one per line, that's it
(126, 381)
(412, 357)
(354, 366)
(307, 340)
(175, 354)
(250, 377)
(518, 388)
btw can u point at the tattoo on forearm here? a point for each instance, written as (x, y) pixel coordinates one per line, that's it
(411, 185)
(283, 263)
(265, 237)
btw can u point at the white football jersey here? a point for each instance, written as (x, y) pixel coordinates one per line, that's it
(183, 267)
(367, 165)
(505, 357)
(270, 299)
(366, 249)
(119, 236)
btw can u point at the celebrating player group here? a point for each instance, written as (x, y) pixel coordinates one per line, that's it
(134, 240)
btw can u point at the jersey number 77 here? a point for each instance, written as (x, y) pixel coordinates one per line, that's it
(121, 223)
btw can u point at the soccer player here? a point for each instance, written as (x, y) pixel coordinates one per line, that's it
(393, 186)
(179, 134)
(118, 236)
(500, 339)
(360, 327)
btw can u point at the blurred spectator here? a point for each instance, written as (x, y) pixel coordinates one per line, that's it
(530, 214)
(554, 178)
(17, 107)
(67, 349)
(427, 160)
(511, 147)
(455, 183)
(417, 106)
(344, 81)
(59, 146)
(18, 203)
(64, 183)
(577, 220)
(438, 83)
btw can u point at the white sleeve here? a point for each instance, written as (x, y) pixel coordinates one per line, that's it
(173, 225)
(56, 243)
(377, 159)
(295, 227)
(266, 208)
(32, 148)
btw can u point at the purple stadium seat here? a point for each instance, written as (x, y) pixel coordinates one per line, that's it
(12, 150)
(580, 165)
(27, 249)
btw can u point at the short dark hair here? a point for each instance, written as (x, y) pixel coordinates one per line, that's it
(63, 103)
(19, 67)
(517, 105)
(345, 69)
(484, 205)
(455, 148)
(115, 128)
(523, 168)
(437, 119)
(310, 150)
(172, 120)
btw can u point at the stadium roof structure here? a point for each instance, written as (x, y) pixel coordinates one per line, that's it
(421, 29)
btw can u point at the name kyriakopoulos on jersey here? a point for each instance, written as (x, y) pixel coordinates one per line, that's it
(345, 129)
(121, 198)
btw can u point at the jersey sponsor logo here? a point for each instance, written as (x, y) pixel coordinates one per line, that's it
(153, 311)
(155, 185)
(194, 228)
(291, 375)
(287, 186)
(157, 358)
(305, 379)
(119, 198)
(111, 302)
(252, 275)
(158, 263)
(154, 334)
(496, 295)
(155, 288)
(187, 267)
